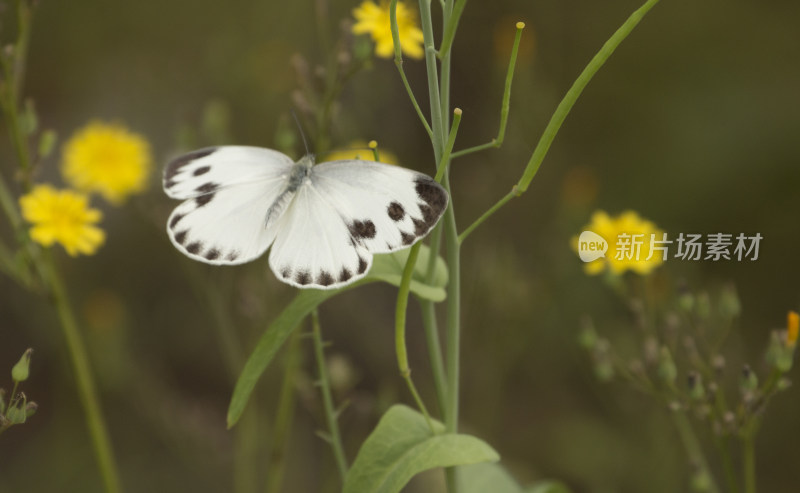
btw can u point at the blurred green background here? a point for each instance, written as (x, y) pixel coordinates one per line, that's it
(693, 123)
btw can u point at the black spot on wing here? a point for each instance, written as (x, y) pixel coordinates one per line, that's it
(362, 265)
(180, 237)
(407, 238)
(212, 254)
(434, 198)
(324, 279)
(203, 199)
(194, 247)
(201, 170)
(420, 227)
(174, 166)
(344, 275)
(232, 256)
(302, 278)
(207, 187)
(362, 229)
(396, 211)
(175, 220)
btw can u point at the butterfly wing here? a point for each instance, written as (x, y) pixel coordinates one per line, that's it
(228, 192)
(347, 211)
(314, 248)
(385, 208)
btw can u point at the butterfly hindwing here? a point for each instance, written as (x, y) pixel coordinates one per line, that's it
(314, 248)
(385, 208)
(227, 226)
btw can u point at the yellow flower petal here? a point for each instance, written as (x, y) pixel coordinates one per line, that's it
(374, 20)
(610, 228)
(62, 217)
(108, 159)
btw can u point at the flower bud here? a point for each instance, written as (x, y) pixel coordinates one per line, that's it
(21, 370)
(666, 366)
(695, 384)
(749, 381)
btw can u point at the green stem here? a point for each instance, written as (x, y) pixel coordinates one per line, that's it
(749, 462)
(87, 390)
(453, 327)
(437, 124)
(566, 105)
(435, 353)
(327, 397)
(450, 27)
(246, 440)
(500, 203)
(575, 91)
(506, 104)
(693, 448)
(451, 139)
(283, 416)
(400, 330)
(431, 328)
(727, 464)
(398, 62)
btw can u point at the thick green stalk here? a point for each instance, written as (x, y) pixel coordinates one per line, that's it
(87, 390)
(334, 436)
(437, 123)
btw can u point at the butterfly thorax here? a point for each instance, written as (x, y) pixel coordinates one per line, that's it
(298, 174)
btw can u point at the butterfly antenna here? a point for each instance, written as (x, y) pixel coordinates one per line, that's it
(302, 134)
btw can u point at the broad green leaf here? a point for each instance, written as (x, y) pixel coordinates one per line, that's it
(486, 476)
(547, 487)
(402, 445)
(384, 268)
(389, 268)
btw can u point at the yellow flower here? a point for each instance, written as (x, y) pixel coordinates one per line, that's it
(109, 159)
(792, 328)
(358, 149)
(374, 20)
(62, 216)
(621, 255)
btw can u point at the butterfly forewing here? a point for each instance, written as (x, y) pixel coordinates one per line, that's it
(195, 173)
(384, 207)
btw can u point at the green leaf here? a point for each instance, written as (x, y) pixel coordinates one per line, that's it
(402, 445)
(486, 476)
(389, 268)
(269, 343)
(547, 487)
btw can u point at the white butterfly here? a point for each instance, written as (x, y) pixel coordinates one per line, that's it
(323, 222)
